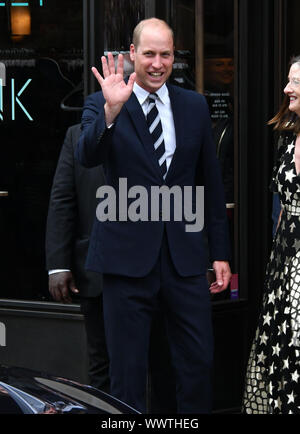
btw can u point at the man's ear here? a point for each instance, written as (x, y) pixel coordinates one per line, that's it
(132, 53)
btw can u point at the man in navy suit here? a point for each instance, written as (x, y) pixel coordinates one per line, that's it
(151, 263)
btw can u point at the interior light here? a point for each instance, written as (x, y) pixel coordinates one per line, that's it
(20, 19)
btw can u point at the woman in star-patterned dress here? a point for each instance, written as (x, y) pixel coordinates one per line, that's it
(273, 372)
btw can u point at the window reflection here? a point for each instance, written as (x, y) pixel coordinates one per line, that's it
(219, 78)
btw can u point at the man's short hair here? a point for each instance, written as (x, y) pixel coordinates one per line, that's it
(142, 24)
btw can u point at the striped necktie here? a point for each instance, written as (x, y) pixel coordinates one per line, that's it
(155, 128)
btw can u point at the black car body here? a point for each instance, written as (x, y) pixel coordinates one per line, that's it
(23, 391)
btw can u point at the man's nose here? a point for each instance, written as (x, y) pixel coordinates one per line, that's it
(157, 62)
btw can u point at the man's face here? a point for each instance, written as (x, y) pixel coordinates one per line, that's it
(153, 57)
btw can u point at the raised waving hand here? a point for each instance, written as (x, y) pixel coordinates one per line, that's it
(115, 91)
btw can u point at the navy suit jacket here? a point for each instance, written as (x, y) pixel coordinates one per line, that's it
(126, 151)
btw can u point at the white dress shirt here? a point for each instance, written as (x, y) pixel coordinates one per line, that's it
(163, 105)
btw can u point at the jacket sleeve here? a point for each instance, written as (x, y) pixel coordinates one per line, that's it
(62, 212)
(94, 140)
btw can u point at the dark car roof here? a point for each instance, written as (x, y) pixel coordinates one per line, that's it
(31, 392)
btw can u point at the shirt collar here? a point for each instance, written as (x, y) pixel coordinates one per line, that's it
(143, 94)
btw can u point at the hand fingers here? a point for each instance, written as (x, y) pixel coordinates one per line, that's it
(60, 285)
(56, 295)
(73, 287)
(222, 276)
(97, 75)
(227, 281)
(120, 66)
(219, 280)
(219, 285)
(131, 80)
(61, 294)
(65, 296)
(111, 64)
(105, 68)
(226, 278)
(216, 290)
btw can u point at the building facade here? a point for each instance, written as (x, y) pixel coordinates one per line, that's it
(236, 52)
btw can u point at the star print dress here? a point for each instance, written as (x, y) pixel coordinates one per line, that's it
(273, 372)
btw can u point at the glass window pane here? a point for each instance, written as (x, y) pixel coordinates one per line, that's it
(121, 17)
(218, 24)
(183, 24)
(41, 49)
(204, 61)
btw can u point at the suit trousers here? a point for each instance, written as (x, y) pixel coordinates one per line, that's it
(98, 367)
(130, 304)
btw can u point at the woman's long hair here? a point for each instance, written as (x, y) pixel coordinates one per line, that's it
(285, 120)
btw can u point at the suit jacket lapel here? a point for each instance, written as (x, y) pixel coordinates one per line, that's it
(179, 126)
(138, 119)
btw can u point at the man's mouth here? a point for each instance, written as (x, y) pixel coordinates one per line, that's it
(292, 98)
(155, 74)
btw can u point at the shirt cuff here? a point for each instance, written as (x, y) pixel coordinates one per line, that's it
(57, 270)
